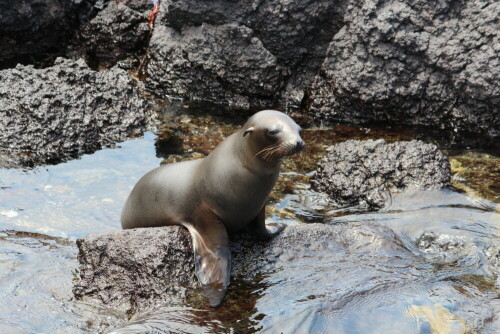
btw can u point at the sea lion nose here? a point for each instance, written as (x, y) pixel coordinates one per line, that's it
(300, 145)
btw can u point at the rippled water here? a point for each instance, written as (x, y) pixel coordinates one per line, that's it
(426, 263)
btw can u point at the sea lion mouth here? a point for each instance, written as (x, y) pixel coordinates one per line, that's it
(279, 151)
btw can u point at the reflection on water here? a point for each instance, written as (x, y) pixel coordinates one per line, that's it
(426, 263)
(78, 197)
(36, 273)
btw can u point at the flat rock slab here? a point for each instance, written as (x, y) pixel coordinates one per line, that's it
(64, 111)
(366, 172)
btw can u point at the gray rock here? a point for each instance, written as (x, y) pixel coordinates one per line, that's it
(309, 274)
(35, 32)
(365, 172)
(141, 268)
(413, 63)
(116, 30)
(64, 111)
(398, 61)
(243, 53)
(199, 63)
(135, 268)
(393, 61)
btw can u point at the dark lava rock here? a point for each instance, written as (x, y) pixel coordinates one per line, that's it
(398, 61)
(200, 63)
(239, 53)
(393, 61)
(365, 172)
(135, 268)
(414, 63)
(64, 111)
(37, 31)
(309, 278)
(115, 30)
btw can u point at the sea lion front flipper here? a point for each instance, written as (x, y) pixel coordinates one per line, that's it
(262, 231)
(212, 256)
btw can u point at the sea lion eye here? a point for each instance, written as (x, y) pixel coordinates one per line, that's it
(273, 133)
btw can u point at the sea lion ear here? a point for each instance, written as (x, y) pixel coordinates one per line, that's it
(247, 131)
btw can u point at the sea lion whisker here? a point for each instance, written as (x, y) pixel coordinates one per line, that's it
(266, 149)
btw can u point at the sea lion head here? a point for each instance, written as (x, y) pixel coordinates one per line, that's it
(272, 135)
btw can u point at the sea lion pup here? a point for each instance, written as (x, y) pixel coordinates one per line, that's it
(223, 192)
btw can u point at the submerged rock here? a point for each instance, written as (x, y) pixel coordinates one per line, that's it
(365, 172)
(64, 111)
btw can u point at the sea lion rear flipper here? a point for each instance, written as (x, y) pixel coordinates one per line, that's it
(212, 256)
(262, 231)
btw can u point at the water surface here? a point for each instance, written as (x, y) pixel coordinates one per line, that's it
(426, 263)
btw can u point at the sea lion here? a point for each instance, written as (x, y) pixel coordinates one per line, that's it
(223, 192)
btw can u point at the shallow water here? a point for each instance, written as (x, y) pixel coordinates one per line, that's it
(426, 263)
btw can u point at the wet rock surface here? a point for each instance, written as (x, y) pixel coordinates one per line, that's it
(427, 259)
(331, 269)
(135, 268)
(366, 172)
(139, 268)
(64, 111)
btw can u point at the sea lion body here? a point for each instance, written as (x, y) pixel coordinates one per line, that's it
(223, 192)
(170, 194)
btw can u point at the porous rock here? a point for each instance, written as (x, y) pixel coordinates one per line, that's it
(398, 62)
(394, 61)
(366, 172)
(141, 268)
(64, 111)
(199, 63)
(115, 30)
(414, 63)
(135, 268)
(242, 53)
(35, 31)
